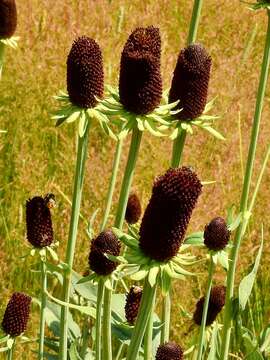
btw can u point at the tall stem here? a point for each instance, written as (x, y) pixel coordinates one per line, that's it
(75, 212)
(128, 176)
(148, 346)
(194, 23)
(178, 147)
(10, 352)
(166, 319)
(106, 333)
(2, 53)
(100, 295)
(116, 162)
(205, 308)
(42, 309)
(146, 308)
(245, 194)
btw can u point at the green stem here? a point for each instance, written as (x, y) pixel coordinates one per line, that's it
(245, 194)
(148, 346)
(120, 352)
(75, 213)
(42, 310)
(2, 53)
(106, 328)
(205, 308)
(10, 352)
(178, 147)
(146, 308)
(128, 176)
(100, 295)
(194, 23)
(116, 162)
(166, 318)
(85, 337)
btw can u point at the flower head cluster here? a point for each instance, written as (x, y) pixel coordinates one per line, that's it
(216, 234)
(168, 213)
(134, 209)
(170, 351)
(140, 83)
(133, 301)
(17, 314)
(8, 18)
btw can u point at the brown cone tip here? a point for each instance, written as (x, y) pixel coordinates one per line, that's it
(133, 301)
(17, 314)
(140, 83)
(190, 81)
(169, 351)
(168, 213)
(106, 242)
(216, 303)
(8, 18)
(85, 77)
(216, 234)
(38, 221)
(134, 209)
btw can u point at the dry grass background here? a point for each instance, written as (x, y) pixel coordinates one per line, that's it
(37, 158)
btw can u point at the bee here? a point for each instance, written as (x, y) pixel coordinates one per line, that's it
(49, 201)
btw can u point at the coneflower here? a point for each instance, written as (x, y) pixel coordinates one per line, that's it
(106, 242)
(216, 234)
(8, 18)
(140, 83)
(169, 351)
(168, 213)
(216, 303)
(134, 209)
(85, 77)
(38, 220)
(17, 314)
(133, 301)
(190, 81)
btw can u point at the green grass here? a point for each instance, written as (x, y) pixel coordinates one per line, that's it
(37, 158)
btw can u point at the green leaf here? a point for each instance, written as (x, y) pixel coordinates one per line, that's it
(236, 222)
(214, 132)
(165, 280)
(85, 279)
(87, 291)
(195, 239)
(82, 124)
(152, 276)
(141, 274)
(73, 117)
(246, 285)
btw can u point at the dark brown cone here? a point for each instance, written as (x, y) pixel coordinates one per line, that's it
(216, 234)
(38, 222)
(134, 209)
(17, 314)
(85, 77)
(216, 303)
(168, 213)
(106, 242)
(140, 83)
(8, 18)
(133, 301)
(190, 82)
(169, 351)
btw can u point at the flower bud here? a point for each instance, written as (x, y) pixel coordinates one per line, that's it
(133, 301)
(8, 18)
(216, 234)
(169, 351)
(134, 209)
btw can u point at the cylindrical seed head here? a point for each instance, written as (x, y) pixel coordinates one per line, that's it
(133, 301)
(168, 213)
(169, 351)
(134, 209)
(85, 77)
(216, 234)
(106, 242)
(140, 83)
(38, 222)
(17, 314)
(216, 303)
(190, 82)
(8, 18)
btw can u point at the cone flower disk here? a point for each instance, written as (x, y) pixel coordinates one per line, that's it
(216, 303)
(106, 242)
(38, 221)
(140, 83)
(168, 213)
(17, 314)
(134, 209)
(190, 82)
(169, 351)
(85, 77)
(8, 18)
(133, 301)
(216, 234)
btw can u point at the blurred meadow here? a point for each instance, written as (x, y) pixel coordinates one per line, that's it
(37, 158)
